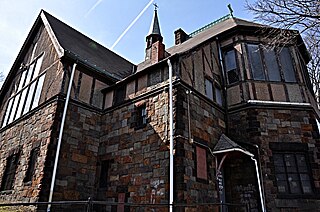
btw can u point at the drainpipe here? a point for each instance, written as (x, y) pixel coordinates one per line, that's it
(171, 137)
(260, 174)
(188, 109)
(60, 137)
(259, 185)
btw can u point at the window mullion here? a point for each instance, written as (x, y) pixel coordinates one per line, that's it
(298, 171)
(264, 67)
(286, 173)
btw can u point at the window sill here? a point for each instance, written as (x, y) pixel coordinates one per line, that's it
(298, 196)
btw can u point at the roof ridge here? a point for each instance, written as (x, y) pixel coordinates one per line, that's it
(223, 18)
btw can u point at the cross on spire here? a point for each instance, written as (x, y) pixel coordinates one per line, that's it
(155, 6)
(230, 10)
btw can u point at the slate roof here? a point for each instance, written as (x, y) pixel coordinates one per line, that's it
(88, 50)
(225, 143)
(211, 32)
(203, 36)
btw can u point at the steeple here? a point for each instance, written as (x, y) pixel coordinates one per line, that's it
(154, 32)
(155, 50)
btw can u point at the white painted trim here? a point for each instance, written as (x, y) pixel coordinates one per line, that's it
(263, 207)
(53, 37)
(233, 150)
(278, 103)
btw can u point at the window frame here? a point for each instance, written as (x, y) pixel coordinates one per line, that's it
(261, 59)
(289, 192)
(142, 116)
(235, 69)
(8, 178)
(34, 154)
(214, 89)
(14, 112)
(285, 73)
(105, 167)
(280, 68)
(119, 95)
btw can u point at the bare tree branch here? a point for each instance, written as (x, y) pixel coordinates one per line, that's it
(1, 78)
(300, 15)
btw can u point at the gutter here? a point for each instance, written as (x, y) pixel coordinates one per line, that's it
(60, 137)
(70, 54)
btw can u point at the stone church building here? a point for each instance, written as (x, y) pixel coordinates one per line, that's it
(79, 121)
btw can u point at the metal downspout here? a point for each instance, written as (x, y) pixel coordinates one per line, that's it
(260, 174)
(171, 138)
(60, 137)
(259, 185)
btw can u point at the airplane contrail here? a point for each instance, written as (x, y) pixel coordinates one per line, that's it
(93, 7)
(132, 23)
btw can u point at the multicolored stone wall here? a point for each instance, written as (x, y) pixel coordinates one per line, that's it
(76, 173)
(207, 124)
(287, 128)
(33, 131)
(138, 155)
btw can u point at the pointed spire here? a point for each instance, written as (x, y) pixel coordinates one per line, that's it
(155, 50)
(155, 27)
(154, 32)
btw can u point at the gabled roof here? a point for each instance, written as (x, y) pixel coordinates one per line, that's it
(86, 49)
(225, 145)
(210, 32)
(72, 44)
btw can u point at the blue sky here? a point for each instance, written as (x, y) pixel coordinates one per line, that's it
(105, 20)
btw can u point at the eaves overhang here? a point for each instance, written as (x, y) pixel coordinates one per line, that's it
(86, 64)
(144, 71)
